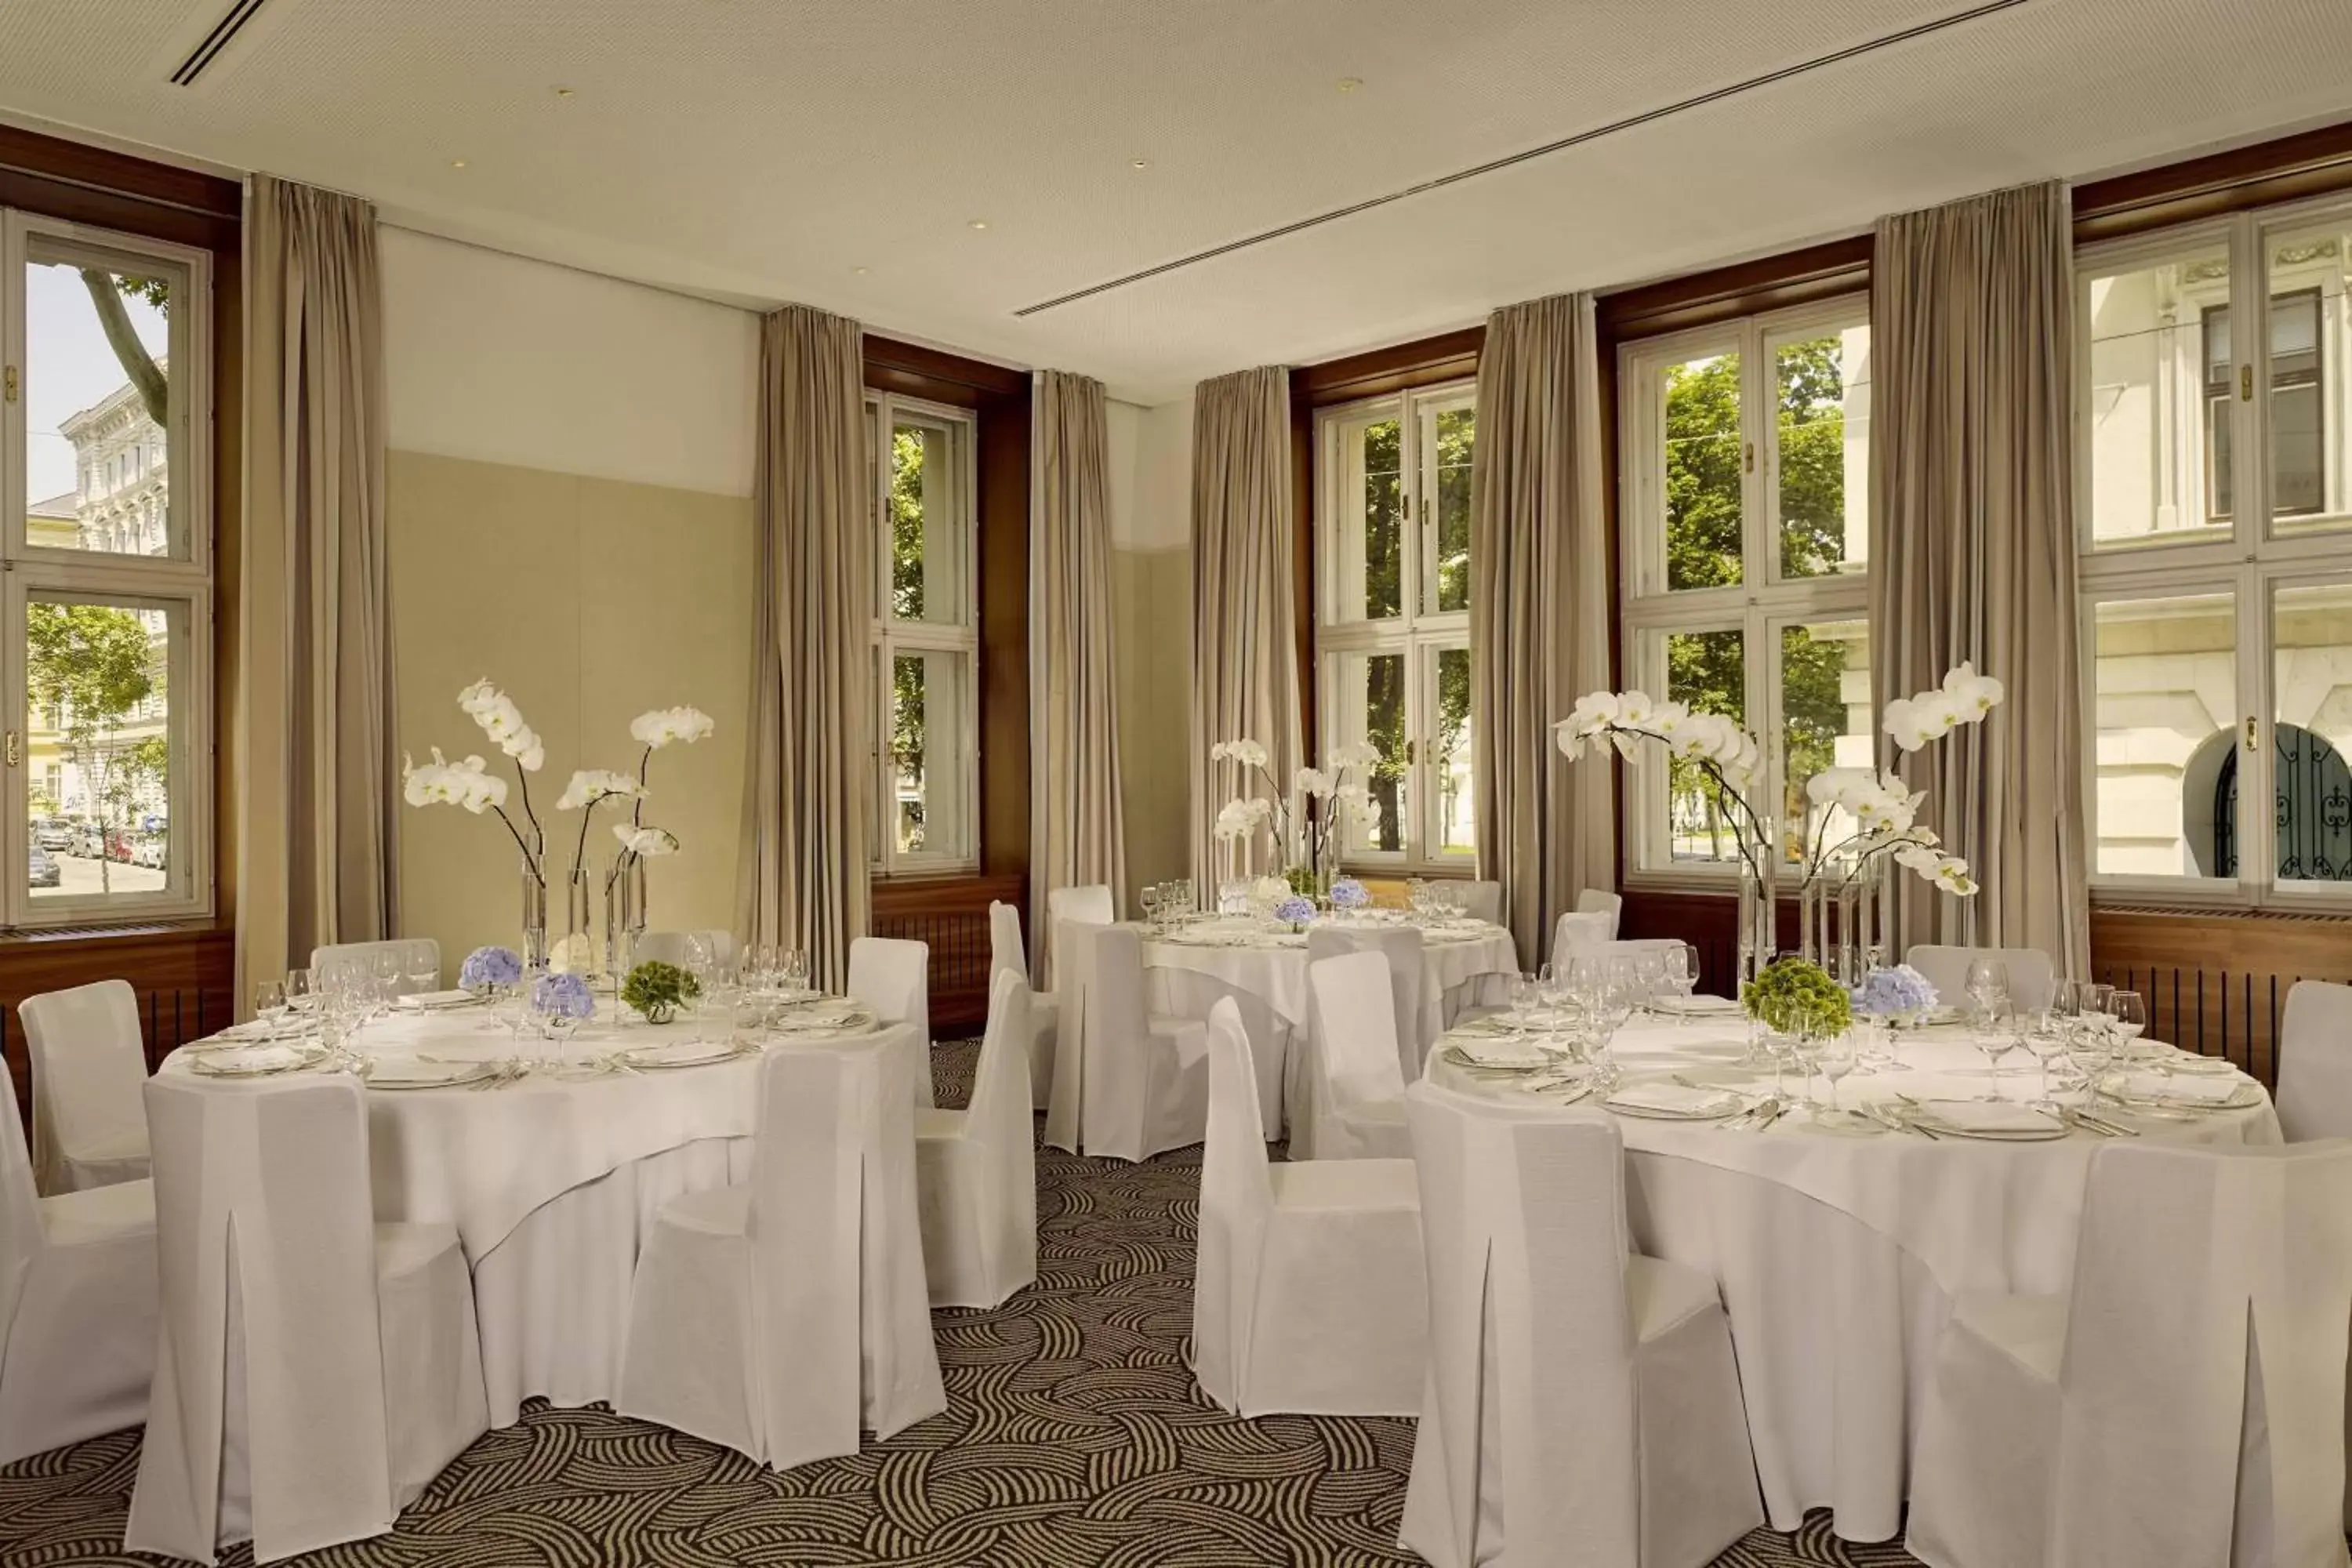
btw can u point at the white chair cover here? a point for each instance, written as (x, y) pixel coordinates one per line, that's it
(1580, 934)
(1093, 905)
(76, 1303)
(2185, 1404)
(1354, 1103)
(893, 978)
(1582, 1405)
(669, 947)
(1418, 1016)
(1307, 1292)
(1064, 1101)
(325, 961)
(1483, 900)
(314, 1370)
(1593, 901)
(776, 1317)
(1947, 968)
(2314, 1057)
(1006, 955)
(976, 1169)
(1128, 1086)
(88, 1060)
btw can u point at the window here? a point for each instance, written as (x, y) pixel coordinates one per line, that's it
(2217, 592)
(1392, 627)
(926, 637)
(106, 656)
(1745, 468)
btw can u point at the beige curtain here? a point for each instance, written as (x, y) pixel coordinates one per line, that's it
(1244, 655)
(316, 791)
(809, 784)
(1079, 827)
(1538, 612)
(1972, 552)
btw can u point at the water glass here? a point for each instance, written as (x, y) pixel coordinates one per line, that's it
(796, 970)
(269, 1003)
(2128, 1018)
(1151, 905)
(1995, 1035)
(1988, 985)
(1525, 990)
(300, 996)
(1837, 1060)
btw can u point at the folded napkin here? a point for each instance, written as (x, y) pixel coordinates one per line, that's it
(1500, 1050)
(238, 1061)
(2199, 1088)
(430, 1000)
(1671, 1098)
(1696, 1006)
(1985, 1116)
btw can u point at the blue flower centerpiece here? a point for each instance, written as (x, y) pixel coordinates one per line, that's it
(562, 998)
(1295, 912)
(1900, 994)
(1347, 893)
(490, 969)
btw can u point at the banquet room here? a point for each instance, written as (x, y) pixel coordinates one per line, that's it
(1038, 784)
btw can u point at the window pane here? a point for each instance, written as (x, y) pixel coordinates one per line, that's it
(1706, 672)
(931, 523)
(1380, 512)
(2312, 735)
(2158, 401)
(930, 805)
(99, 391)
(1450, 772)
(2308, 428)
(1369, 692)
(1703, 464)
(1450, 436)
(1824, 452)
(1825, 710)
(102, 744)
(2164, 717)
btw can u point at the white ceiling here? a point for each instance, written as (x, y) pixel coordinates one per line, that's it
(761, 151)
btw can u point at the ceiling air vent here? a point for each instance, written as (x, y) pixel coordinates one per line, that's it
(224, 33)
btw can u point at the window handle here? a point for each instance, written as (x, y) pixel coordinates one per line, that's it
(1411, 753)
(2246, 383)
(2253, 735)
(16, 748)
(1748, 458)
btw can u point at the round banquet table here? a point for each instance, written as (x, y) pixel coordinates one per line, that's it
(553, 1179)
(1264, 971)
(1839, 1253)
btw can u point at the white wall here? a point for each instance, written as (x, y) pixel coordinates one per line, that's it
(492, 357)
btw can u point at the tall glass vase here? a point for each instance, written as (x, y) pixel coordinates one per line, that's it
(534, 919)
(625, 915)
(1759, 907)
(578, 931)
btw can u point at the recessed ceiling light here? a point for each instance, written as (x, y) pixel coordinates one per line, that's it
(563, 92)
(1139, 164)
(980, 223)
(1350, 83)
(457, 162)
(861, 271)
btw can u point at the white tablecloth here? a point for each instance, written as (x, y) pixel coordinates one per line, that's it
(1838, 1254)
(1266, 974)
(552, 1182)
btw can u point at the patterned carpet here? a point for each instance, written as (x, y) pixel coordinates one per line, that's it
(1074, 1436)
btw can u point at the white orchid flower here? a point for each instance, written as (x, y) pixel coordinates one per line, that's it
(1564, 736)
(1355, 755)
(1594, 712)
(1634, 710)
(1315, 782)
(1240, 818)
(1248, 753)
(1906, 724)
(589, 786)
(1952, 876)
(1972, 694)
(660, 726)
(645, 841)
(1270, 888)
(1920, 857)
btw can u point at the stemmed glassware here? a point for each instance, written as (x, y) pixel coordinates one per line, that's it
(796, 973)
(270, 1005)
(1996, 1037)
(300, 996)
(1151, 905)
(1836, 1059)
(1988, 985)
(424, 970)
(2127, 1019)
(1524, 992)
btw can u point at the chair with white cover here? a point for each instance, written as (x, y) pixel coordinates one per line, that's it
(1593, 901)
(1008, 955)
(1482, 901)
(2183, 1405)
(1353, 1104)
(419, 956)
(1091, 905)
(1583, 1406)
(1127, 1085)
(2030, 972)
(89, 1129)
(779, 1316)
(1582, 932)
(1307, 1296)
(2314, 1057)
(314, 1370)
(976, 1169)
(671, 947)
(893, 977)
(76, 1303)
(1415, 1011)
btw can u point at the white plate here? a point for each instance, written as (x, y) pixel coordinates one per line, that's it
(253, 1061)
(435, 1001)
(2002, 1121)
(396, 1075)
(680, 1054)
(1675, 1102)
(1493, 1055)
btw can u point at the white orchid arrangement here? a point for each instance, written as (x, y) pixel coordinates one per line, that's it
(1303, 839)
(1883, 811)
(654, 730)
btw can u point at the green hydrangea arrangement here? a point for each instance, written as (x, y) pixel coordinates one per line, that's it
(658, 990)
(1796, 996)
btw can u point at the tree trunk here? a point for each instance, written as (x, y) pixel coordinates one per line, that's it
(155, 389)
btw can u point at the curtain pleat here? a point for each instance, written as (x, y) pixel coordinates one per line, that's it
(1079, 830)
(1972, 552)
(808, 783)
(317, 801)
(1244, 654)
(1538, 612)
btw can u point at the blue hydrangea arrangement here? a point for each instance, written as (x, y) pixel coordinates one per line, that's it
(487, 967)
(1294, 911)
(563, 996)
(1895, 993)
(1347, 893)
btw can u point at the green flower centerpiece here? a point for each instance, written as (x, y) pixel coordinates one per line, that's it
(658, 990)
(1797, 996)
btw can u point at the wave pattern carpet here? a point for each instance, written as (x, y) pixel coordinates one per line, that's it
(1074, 1439)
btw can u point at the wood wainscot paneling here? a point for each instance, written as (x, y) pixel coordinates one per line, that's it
(951, 915)
(184, 978)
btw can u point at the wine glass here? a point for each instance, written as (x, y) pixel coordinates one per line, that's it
(1682, 975)
(299, 996)
(2045, 1043)
(2127, 1019)
(1988, 985)
(424, 968)
(796, 973)
(1995, 1038)
(1523, 993)
(1151, 899)
(1835, 1057)
(269, 1003)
